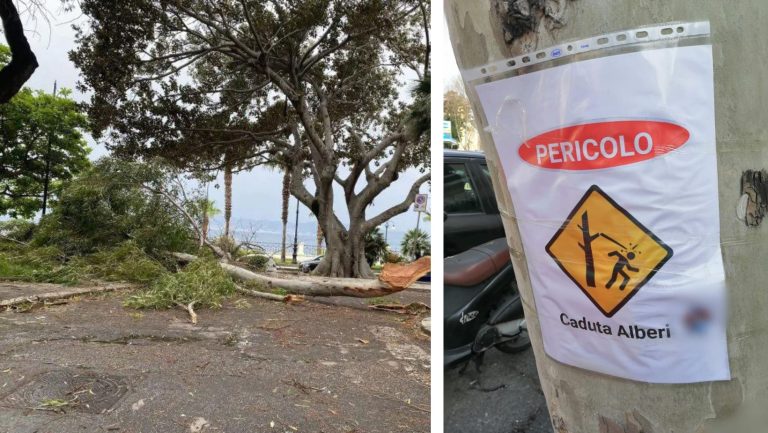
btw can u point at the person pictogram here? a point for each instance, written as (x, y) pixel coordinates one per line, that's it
(606, 251)
(622, 263)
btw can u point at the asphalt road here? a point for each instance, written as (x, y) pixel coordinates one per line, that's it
(504, 398)
(90, 365)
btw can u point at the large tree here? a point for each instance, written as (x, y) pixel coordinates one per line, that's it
(314, 85)
(41, 146)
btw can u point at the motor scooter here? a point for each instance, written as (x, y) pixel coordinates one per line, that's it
(482, 305)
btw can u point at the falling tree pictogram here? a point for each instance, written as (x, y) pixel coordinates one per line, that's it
(587, 247)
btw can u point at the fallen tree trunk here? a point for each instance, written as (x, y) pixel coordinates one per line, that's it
(393, 278)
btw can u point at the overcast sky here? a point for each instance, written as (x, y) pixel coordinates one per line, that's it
(256, 195)
(445, 58)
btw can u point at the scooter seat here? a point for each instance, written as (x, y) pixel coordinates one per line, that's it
(476, 265)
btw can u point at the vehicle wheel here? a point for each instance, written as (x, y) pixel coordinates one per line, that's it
(518, 344)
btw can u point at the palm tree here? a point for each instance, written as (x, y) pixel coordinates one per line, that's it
(375, 246)
(286, 198)
(415, 244)
(209, 209)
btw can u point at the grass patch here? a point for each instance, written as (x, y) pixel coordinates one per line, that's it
(126, 262)
(37, 265)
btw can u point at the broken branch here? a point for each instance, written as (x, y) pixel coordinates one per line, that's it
(189, 308)
(271, 296)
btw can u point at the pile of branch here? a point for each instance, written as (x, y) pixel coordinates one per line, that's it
(393, 278)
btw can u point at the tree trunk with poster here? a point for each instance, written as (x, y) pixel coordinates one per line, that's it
(488, 34)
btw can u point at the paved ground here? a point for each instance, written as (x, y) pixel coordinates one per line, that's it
(254, 366)
(505, 398)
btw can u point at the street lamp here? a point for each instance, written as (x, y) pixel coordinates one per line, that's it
(387, 225)
(296, 234)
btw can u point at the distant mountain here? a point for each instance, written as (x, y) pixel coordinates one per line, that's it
(270, 231)
(275, 226)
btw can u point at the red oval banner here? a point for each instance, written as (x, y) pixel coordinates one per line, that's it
(603, 144)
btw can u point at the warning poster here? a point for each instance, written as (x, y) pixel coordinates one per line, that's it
(611, 166)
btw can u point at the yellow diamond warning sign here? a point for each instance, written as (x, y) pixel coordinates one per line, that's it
(608, 253)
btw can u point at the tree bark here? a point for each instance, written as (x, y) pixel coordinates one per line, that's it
(394, 278)
(284, 215)
(320, 236)
(204, 228)
(580, 401)
(345, 245)
(345, 253)
(23, 61)
(227, 197)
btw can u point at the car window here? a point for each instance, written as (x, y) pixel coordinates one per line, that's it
(460, 195)
(486, 173)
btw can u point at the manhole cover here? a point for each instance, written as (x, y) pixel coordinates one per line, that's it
(69, 391)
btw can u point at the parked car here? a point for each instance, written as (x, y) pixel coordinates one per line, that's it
(308, 266)
(471, 214)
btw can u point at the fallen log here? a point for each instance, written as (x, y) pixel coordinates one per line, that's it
(393, 278)
(62, 294)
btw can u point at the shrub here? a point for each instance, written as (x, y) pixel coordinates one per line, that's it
(202, 282)
(393, 257)
(255, 262)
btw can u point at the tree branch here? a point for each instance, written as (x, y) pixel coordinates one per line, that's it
(399, 208)
(23, 61)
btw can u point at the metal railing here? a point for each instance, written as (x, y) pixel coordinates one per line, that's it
(303, 251)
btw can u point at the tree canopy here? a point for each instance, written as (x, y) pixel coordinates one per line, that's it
(41, 135)
(116, 201)
(314, 87)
